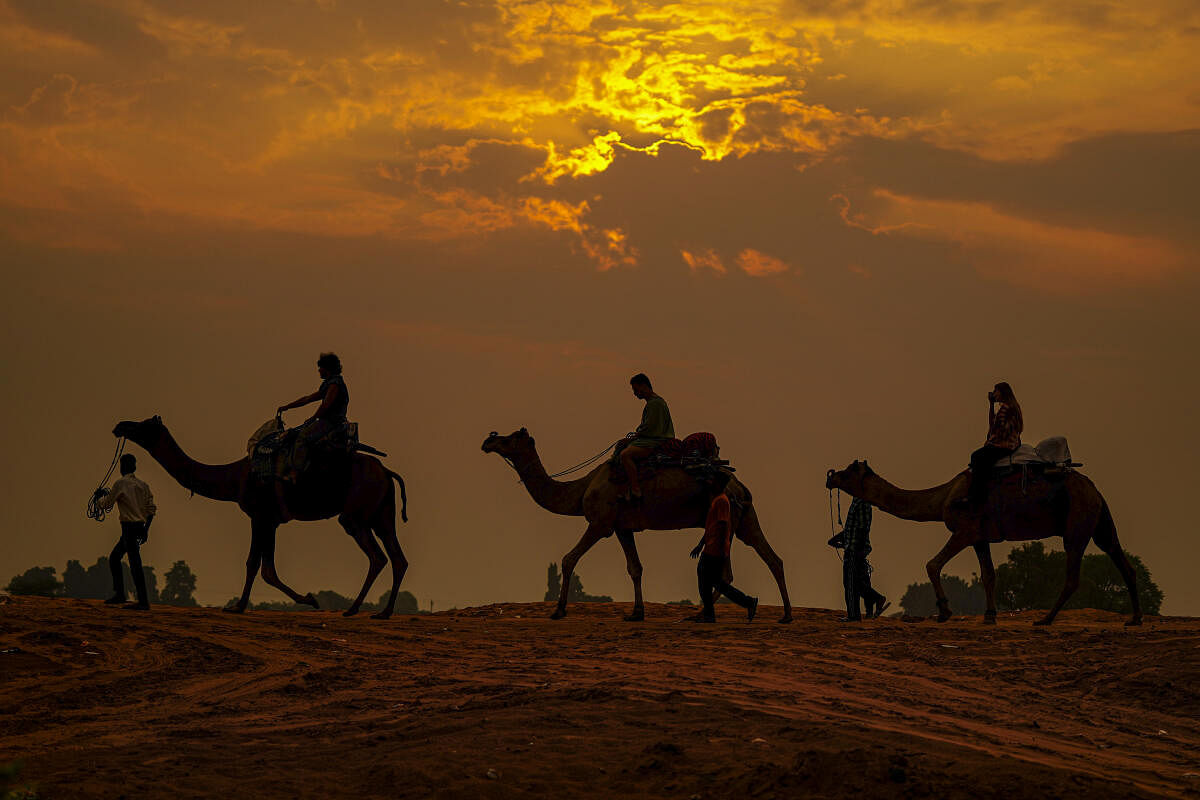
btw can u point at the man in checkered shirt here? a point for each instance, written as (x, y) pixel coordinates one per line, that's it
(856, 571)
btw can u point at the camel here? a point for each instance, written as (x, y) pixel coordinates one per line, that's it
(1069, 506)
(366, 502)
(674, 500)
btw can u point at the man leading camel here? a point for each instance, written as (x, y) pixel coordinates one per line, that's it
(656, 427)
(855, 537)
(135, 504)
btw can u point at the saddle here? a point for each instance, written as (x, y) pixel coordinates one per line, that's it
(697, 454)
(270, 450)
(1052, 453)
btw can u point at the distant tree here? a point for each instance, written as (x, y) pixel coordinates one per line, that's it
(38, 581)
(96, 581)
(93, 582)
(575, 594)
(1032, 578)
(919, 599)
(179, 586)
(406, 603)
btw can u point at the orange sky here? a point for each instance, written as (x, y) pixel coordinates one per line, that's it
(823, 228)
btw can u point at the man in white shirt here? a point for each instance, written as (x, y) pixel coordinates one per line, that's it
(135, 504)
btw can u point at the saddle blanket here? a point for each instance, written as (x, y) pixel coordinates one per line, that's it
(1052, 452)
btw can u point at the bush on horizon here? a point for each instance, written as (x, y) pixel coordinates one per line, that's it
(575, 594)
(329, 600)
(1032, 578)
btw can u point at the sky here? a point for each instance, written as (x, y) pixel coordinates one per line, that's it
(824, 228)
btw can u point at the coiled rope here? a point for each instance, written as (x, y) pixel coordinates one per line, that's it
(94, 511)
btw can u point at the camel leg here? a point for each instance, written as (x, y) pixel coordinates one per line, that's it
(385, 529)
(266, 551)
(957, 542)
(1105, 538)
(594, 533)
(366, 542)
(987, 571)
(750, 532)
(1074, 562)
(634, 565)
(253, 560)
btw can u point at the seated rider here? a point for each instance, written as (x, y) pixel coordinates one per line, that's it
(1005, 423)
(334, 399)
(655, 429)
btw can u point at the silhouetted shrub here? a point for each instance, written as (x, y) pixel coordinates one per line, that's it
(36, 581)
(575, 594)
(179, 585)
(1032, 578)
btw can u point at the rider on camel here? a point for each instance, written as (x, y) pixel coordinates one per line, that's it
(334, 399)
(656, 428)
(1005, 424)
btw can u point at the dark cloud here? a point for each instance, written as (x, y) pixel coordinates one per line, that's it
(110, 30)
(1141, 184)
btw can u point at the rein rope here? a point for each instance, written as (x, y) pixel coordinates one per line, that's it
(833, 529)
(581, 465)
(94, 511)
(588, 462)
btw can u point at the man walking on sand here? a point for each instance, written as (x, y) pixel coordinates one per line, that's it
(135, 504)
(714, 556)
(856, 571)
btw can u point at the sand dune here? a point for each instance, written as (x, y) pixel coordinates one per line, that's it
(500, 702)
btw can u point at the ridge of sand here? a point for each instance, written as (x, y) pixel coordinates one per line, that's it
(499, 701)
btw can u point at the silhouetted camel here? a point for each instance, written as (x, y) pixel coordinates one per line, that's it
(365, 502)
(1072, 508)
(673, 500)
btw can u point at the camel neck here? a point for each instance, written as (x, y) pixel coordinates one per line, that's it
(920, 505)
(215, 481)
(554, 496)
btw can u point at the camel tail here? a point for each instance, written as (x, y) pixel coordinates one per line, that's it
(403, 495)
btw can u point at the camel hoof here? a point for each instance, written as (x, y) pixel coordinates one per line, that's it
(1133, 623)
(943, 616)
(349, 612)
(1044, 621)
(785, 619)
(638, 615)
(310, 599)
(234, 609)
(382, 615)
(989, 619)
(558, 614)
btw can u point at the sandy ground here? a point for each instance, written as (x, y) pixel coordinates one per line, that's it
(500, 702)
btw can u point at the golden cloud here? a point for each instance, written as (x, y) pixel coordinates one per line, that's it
(760, 265)
(707, 259)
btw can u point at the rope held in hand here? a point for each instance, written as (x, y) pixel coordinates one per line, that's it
(94, 511)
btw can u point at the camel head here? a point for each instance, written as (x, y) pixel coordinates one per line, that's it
(145, 433)
(512, 447)
(849, 480)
